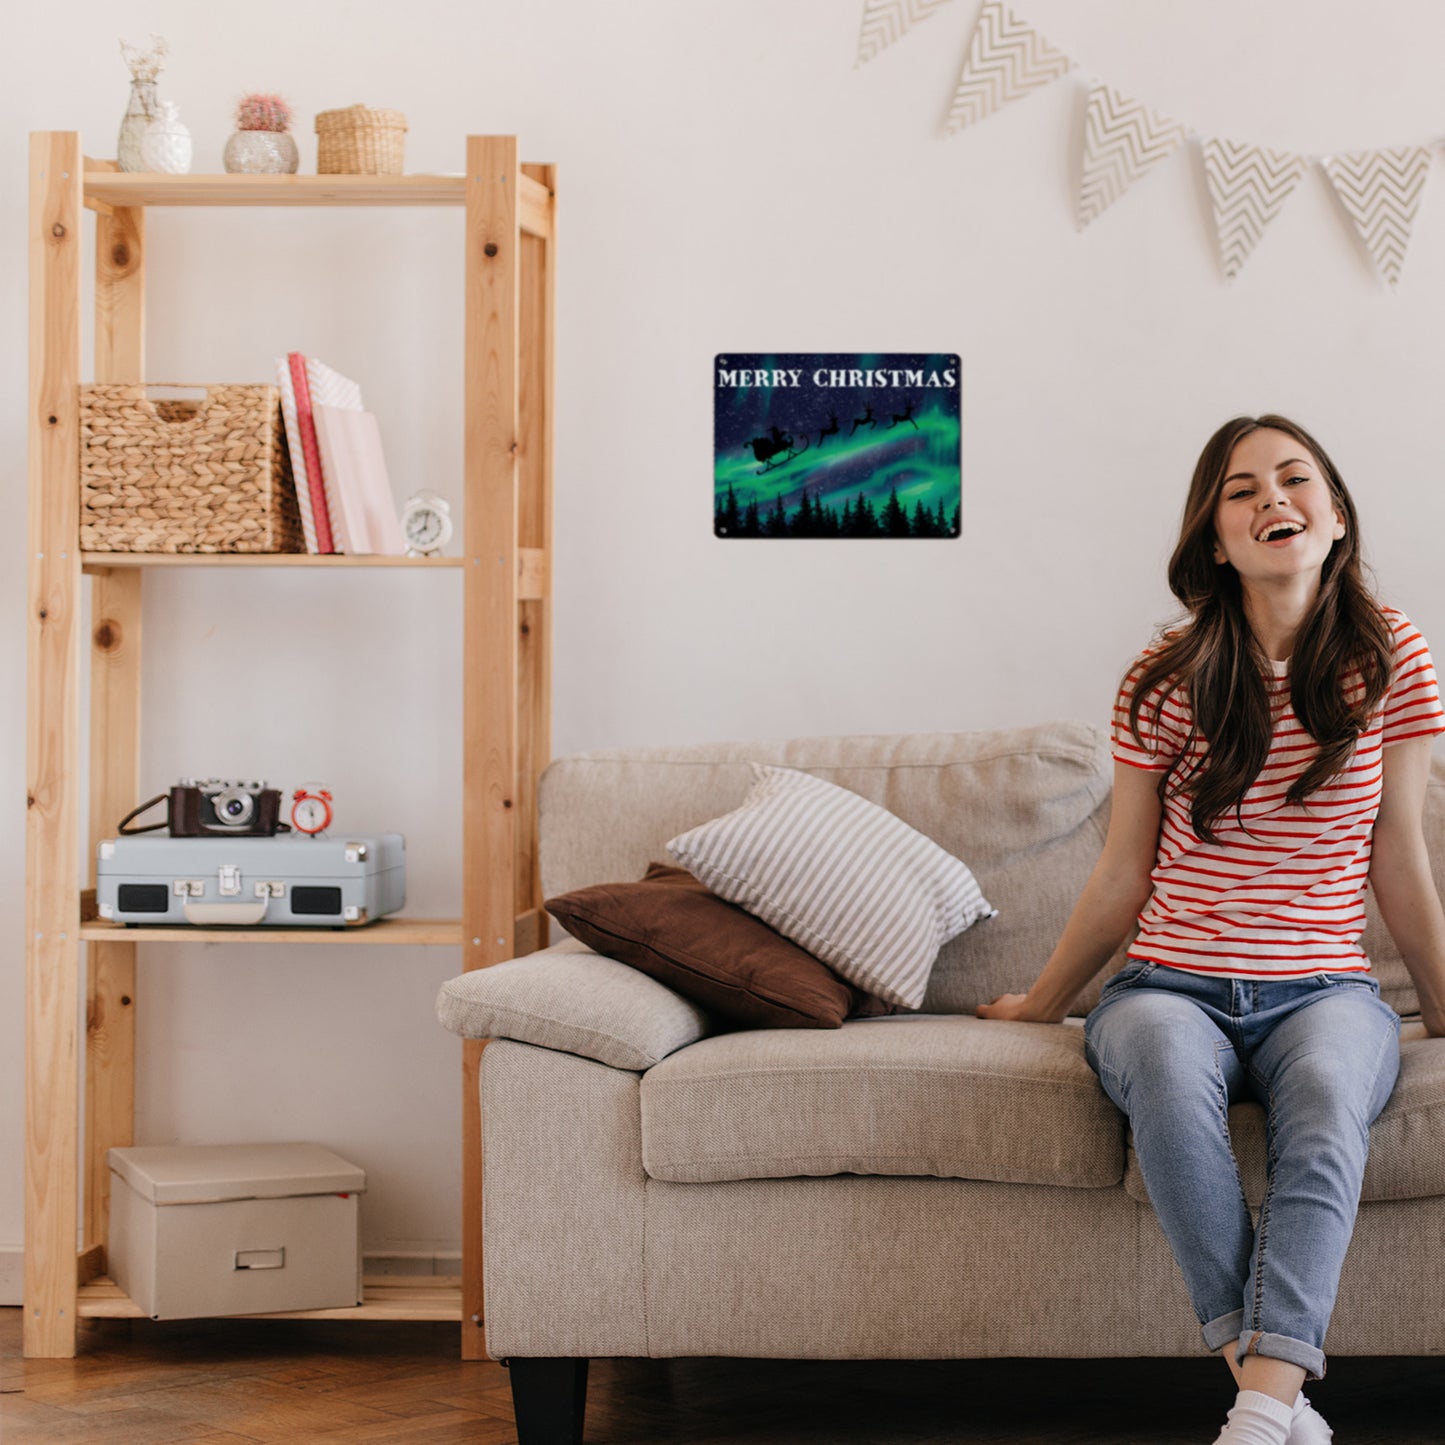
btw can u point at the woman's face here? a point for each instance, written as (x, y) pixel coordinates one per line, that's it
(1274, 518)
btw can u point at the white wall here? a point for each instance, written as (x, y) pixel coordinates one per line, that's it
(729, 181)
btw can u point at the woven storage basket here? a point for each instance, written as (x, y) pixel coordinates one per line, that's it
(359, 142)
(186, 476)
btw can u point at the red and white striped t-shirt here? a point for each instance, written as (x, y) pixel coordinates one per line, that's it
(1286, 898)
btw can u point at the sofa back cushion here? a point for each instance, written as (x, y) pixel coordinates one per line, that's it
(1025, 808)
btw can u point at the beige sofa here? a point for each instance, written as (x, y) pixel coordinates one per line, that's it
(918, 1186)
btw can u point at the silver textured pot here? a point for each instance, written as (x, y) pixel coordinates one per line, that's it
(261, 153)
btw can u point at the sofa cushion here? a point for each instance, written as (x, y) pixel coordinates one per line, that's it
(575, 1001)
(1407, 1141)
(951, 1097)
(673, 929)
(842, 877)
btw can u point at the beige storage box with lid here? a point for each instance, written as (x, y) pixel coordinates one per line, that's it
(235, 1229)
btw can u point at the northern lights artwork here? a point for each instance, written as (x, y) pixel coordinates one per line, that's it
(836, 444)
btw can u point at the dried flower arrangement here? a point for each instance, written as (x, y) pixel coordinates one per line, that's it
(144, 64)
(261, 111)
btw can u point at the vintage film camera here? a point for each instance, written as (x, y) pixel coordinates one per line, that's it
(214, 806)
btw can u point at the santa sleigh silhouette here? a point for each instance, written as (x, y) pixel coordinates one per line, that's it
(775, 450)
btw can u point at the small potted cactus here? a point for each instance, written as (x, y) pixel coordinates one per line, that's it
(262, 144)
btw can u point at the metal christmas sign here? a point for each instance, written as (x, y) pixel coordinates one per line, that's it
(836, 444)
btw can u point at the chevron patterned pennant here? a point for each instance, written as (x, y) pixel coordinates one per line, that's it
(1122, 140)
(1007, 58)
(1381, 190)
(885, 21)
(1248, 186)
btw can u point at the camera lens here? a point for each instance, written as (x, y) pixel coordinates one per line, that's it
(234, 807)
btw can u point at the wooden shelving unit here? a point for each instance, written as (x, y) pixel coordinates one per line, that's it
(509, 270)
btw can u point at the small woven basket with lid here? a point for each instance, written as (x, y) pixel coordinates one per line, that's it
(359, 142)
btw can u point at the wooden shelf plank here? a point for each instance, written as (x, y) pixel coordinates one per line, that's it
(99, 561)
(146, 188)
(106, 188)
(384, 930)
(386, 1297)
(532, 565)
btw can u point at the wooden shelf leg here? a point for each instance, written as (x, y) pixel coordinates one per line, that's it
(52, 890)
(489, 607)
(115, 660)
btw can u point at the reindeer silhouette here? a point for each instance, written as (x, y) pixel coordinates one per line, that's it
(831, 430)
(865, 420)
(907, 416)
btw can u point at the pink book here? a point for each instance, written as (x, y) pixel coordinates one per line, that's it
(306, 425)
(363, 509)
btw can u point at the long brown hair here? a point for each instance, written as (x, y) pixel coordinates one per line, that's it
(1219, 663)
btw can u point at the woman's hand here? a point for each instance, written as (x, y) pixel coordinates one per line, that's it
(1012, 1006)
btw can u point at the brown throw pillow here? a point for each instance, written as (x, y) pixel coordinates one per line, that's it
(670, 927)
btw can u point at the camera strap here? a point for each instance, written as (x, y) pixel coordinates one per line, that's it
(144, 807)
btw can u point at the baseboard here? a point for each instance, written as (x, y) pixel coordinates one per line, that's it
(410, 1263)
(12, 1275)
(12, 1268)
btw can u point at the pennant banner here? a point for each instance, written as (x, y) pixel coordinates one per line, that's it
(1248, 186)
(1381, 190)
(885, 21)
(1122, 140)
(1007, 58)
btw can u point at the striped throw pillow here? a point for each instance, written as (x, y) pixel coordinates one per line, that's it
(843, 878)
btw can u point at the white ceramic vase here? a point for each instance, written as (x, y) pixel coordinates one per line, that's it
(166, 146)
(261, 152)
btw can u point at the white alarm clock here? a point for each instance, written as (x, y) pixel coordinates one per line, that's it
(311, 809)
(426, 524)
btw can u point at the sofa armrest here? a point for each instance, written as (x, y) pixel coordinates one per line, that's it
(575, 1001)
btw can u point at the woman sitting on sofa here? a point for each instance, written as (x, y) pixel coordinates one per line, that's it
(1271, 757)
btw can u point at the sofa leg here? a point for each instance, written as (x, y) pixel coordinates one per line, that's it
(549, 1397)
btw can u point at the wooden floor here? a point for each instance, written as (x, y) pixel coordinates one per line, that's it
(136, 1383)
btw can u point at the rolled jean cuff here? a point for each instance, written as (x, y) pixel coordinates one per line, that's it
(1223, 1331)
(1282, 1347)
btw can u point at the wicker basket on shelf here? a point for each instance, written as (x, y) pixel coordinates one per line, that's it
(359, 142)
(186, 476)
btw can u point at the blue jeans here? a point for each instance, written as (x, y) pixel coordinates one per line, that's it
(1173, 1050)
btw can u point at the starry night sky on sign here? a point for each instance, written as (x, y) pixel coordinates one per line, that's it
(917, 458)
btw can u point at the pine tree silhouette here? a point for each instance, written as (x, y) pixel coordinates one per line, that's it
(750, 521)
(895, 519)
(864, 519)
(725, 523)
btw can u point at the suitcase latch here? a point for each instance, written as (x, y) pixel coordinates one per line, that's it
(229, 880)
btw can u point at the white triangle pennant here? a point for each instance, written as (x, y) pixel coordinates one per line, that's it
(1122, 140)
(1381, 190)
(885, 21)
(1248, 186)
(1007, 58)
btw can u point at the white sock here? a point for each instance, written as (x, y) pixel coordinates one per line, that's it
(1257, 1419)
(1307, 1425)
